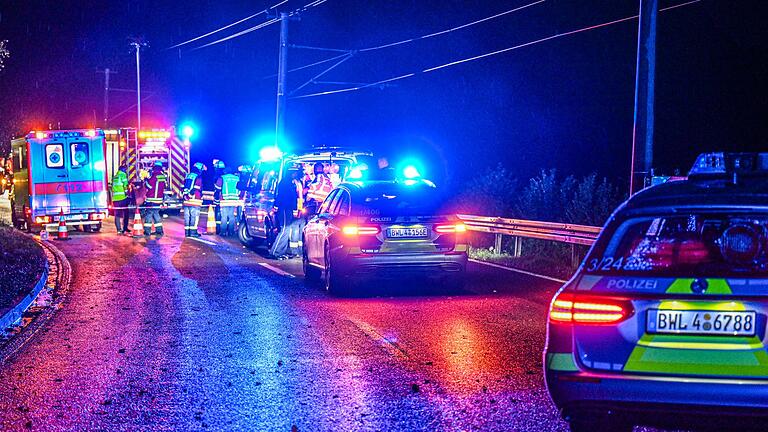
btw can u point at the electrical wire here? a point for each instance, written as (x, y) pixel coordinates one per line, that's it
(262, 25)
(493, 53)
(238, 34)
(230, 25)
(442, 32)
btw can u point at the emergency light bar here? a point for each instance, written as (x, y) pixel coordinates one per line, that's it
(90, 133)
(154, 135)
(727, 164)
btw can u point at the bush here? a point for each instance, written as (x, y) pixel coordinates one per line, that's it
(491, 193)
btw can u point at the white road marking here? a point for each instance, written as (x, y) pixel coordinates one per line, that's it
(391, 346)
(518, 271)
(275, 269)
(203, 241)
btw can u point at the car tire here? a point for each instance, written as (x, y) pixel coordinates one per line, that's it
(334, 283)
(245, 238)
(590, 423)
(311, 273)
(92, 228)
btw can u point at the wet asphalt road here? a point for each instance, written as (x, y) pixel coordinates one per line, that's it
(181, 334)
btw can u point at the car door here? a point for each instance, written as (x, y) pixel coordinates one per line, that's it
(314, 231)
(326, 227)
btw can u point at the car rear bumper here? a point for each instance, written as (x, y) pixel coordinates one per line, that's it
(402, 265)
(671, 400)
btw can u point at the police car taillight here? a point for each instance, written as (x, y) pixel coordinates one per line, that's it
(450, 228)
(355, 230)
(43, 219)
(96, 216)
(568, 308)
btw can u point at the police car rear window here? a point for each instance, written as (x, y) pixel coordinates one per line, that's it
(685, 245)
(402, 201)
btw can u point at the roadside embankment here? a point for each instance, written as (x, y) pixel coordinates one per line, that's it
(22, 264)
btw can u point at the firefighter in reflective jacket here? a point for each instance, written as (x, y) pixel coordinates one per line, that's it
(230, 202)
(120, 200)
(318, 190)
(218, 172)
(193, 199)
(156, 184)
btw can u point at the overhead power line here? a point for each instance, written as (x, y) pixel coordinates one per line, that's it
(442, 32)
(249, 17)
(264, 24)
(493, 53)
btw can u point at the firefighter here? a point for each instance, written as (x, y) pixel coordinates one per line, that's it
(218, 173)
(193, 199)
(230, 202)
(286, 202)
(318, 190)
(120, 200)
(155, 184)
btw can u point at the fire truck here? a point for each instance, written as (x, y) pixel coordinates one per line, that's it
(59, 174)
(139, 150)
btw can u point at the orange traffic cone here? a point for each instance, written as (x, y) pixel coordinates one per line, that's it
(210, 224)
(138, 225)
(63, 233)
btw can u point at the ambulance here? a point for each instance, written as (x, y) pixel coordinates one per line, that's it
(59, 174)
(139, 150)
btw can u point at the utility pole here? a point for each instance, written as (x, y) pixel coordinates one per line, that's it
(107, 72)
(138, 45)
(642, 133)
(281, 79)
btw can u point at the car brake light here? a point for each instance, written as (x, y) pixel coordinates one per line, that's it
(96, 216)
(42, 219)
(452, 228)
(353, 230)
(568, 308)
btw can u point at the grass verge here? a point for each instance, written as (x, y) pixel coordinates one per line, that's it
(556, 268)
(22, 262)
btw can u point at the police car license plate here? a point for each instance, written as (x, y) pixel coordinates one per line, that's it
(407, 232)
(701, 322)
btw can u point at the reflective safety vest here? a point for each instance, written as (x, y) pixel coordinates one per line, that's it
(156, 188)
(193, 197)
(120, 186)
(230, 196)
(320, 188)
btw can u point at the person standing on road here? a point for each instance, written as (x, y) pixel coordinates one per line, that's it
(286, 202)
(193, 199)
(230, 202)
(155, 185)
(218, 172)
(318, 190)
(120, 199)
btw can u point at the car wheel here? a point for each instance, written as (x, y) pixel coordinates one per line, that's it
(311, 273)
(245, 238)
(334, 283)
(604, 423)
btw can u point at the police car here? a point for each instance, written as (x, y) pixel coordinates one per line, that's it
(382, 230)
(664, 324)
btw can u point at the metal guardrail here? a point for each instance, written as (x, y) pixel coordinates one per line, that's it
(518, 228)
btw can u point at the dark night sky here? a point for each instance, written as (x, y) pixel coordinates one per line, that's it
(565, 103)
